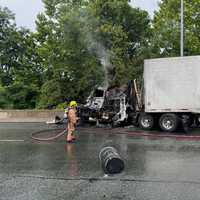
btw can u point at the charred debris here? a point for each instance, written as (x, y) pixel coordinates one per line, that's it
(115, 105)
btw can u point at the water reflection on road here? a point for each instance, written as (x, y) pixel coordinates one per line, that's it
(153, 166)
(73, 166)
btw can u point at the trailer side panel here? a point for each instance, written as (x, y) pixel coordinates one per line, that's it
(172, 84)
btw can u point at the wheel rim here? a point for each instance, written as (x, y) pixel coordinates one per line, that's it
(146, 122)
(167, 123)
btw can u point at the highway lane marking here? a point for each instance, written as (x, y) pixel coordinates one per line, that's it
(12, 140)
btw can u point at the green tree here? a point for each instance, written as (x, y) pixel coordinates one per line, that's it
(166, 25)
(20, 71)
(7, 53)
(78, 44)
(124, 31)
(78, 40)
(66, 57)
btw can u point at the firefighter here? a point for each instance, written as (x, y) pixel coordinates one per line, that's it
(72, 120)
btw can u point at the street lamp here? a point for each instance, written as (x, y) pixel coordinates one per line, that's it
(182, 29)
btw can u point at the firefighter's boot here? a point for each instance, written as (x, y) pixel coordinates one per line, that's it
(73, 135)
(69, 137)
(69, 134)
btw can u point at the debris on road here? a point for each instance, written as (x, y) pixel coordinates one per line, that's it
(111, 161)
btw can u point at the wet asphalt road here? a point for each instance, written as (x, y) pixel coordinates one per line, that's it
(155, 168)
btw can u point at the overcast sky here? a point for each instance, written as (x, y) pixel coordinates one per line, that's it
(27, 10)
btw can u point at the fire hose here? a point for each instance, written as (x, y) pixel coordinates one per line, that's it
(130, 133)
(34, 135)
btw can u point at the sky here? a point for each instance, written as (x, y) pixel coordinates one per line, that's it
(27, 10)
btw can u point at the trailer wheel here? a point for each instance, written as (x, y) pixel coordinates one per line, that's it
(169, 122)
(146, 121)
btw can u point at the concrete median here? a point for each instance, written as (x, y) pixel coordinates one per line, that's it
(29, 115)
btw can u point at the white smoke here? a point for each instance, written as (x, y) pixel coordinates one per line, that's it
(99, 49)
(104, 57)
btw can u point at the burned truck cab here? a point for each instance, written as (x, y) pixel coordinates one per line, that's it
(115, 105)
(90, 110)
(113, 110)
(96, 98)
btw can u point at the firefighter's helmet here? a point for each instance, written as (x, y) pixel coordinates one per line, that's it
(73, 104)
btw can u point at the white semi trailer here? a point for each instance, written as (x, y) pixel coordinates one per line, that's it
(171, 93)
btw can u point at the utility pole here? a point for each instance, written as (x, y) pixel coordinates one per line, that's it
(182, 29)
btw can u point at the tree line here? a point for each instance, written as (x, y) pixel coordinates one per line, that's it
(82, 44)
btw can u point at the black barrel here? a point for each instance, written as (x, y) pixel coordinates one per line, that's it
(111, 161)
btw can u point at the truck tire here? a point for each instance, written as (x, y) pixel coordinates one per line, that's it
(146, 121)
(169, 122)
